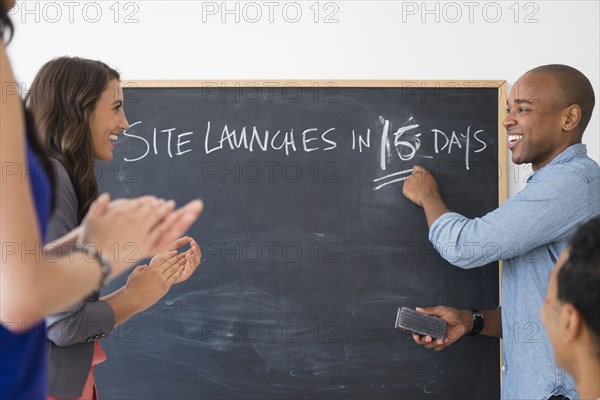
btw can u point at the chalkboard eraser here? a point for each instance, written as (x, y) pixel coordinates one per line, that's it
(421, 324)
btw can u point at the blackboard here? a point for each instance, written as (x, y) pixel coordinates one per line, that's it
(309, 245)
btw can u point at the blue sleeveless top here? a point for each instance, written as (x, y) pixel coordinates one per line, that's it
(23, 355)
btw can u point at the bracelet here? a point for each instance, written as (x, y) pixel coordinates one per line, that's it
(477, 323)
(96, 256)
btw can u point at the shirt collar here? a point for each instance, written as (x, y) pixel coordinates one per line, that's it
(569, 153)
(566, 155)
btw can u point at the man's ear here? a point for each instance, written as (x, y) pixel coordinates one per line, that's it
(571, 118)
(571, 322)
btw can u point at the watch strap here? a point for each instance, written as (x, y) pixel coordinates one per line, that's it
(477, 322)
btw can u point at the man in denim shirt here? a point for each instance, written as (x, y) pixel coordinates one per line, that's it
(548, 110)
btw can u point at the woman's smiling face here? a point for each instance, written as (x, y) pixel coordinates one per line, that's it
(108, 121)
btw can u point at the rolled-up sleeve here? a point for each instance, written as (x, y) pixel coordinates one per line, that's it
(84, 323)
(539, 214)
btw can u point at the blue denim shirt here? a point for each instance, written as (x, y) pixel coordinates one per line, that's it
(528, 232)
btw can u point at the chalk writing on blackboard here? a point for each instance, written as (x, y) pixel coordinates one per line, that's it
(404, 144)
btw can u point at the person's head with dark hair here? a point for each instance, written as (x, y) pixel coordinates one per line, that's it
(78, 108)
(548, 109)
(571, 310)
(579, 279)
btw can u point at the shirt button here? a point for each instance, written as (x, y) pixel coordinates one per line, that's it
(503, 368)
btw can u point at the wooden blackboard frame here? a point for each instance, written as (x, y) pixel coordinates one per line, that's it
(499, 85)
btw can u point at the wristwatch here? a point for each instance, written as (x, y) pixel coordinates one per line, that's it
(477, 322)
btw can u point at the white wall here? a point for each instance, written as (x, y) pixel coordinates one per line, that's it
(361, 40)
